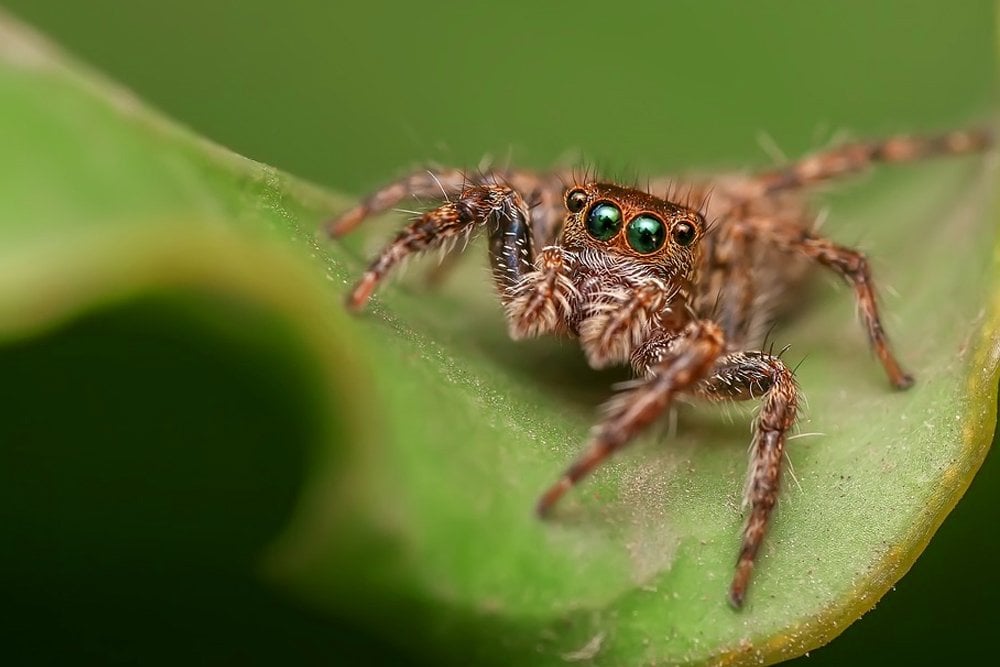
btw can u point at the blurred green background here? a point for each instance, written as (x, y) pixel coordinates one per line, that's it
(350, 94)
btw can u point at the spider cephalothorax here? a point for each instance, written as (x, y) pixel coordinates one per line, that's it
(640, 279)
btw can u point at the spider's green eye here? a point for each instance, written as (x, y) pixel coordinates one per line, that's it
(604, 221)
(646, 234)
(683, 233)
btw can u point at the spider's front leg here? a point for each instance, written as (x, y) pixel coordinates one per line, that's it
(497, 205)
(743, 376)
(425, 184)
(681, 363)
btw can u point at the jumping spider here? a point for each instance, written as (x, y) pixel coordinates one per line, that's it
(683, 288)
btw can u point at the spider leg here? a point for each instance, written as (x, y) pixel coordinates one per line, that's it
(849, 264)
(853, 267)
(854, 157)
(728, 293)
(681, 366)
(511, 252)
(742, 376)
(474, 207)
(433, 184)
(441, 184)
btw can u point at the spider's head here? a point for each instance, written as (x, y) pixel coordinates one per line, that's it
(632, 224)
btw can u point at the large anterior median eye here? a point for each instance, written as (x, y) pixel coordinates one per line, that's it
(604, 220)
(646, 234)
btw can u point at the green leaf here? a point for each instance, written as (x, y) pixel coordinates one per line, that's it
(199, 444)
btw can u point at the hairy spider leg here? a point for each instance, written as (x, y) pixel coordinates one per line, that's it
(444, 184)
(849, 264)
(852, 158)
(729, 293)
(511, 250)
(749, 375)
(628, 413)
(441, 184)
(431, 184)
(474, 207)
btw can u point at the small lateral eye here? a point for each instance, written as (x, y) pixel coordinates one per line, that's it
(683, 233)
(604, 221)
(646, 234)
(576, 199)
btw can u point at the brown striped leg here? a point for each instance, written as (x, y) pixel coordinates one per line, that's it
(855, 157)
(849, 264)
(432, 184)
(448, 223)
(442, 184)
(853, 267)
(631, 411)
(743, 376)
